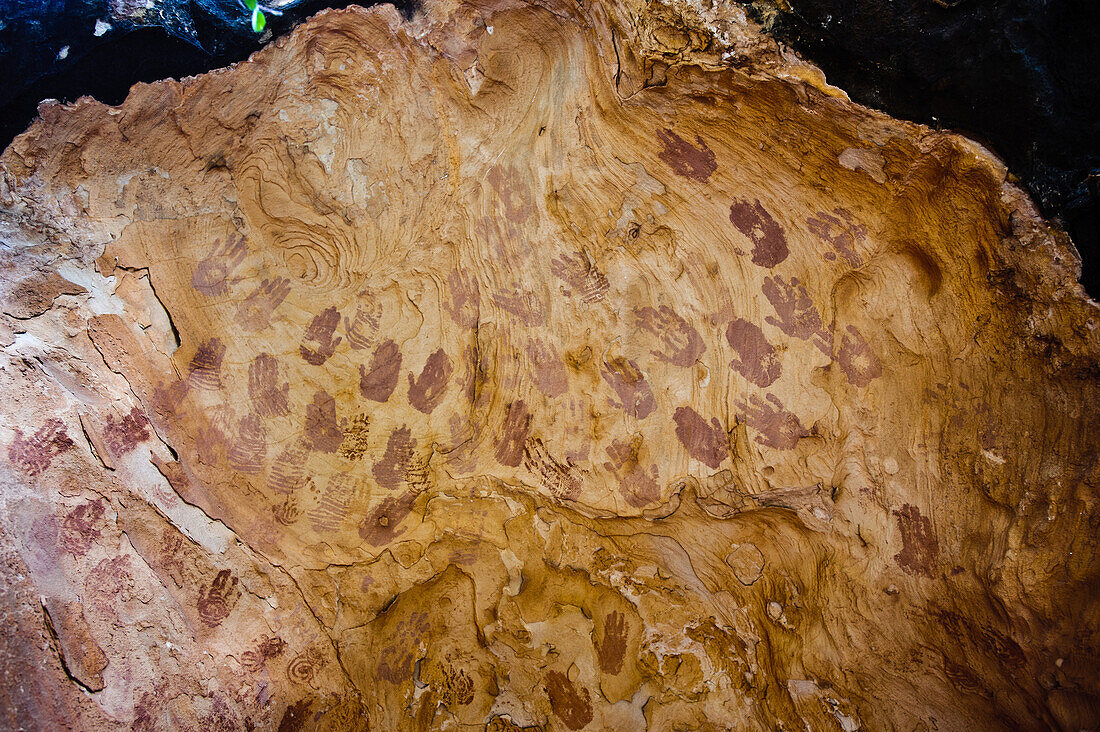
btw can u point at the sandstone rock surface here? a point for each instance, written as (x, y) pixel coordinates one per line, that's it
(537, 365)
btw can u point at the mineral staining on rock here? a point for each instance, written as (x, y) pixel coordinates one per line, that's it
(528, 366)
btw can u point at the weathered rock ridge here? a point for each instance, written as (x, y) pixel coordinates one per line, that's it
(537, 366)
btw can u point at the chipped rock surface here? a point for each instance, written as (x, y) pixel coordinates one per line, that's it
(540, 366)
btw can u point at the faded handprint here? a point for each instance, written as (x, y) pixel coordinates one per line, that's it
(681, 342)
(212, 275)
(514, 192)
(778, 428)
(80, 528)
(524, 304)
(797, 316)
(176, 558)
(581, 275)
(389, 472)
(463, 442)
(254, 312)
(465, 301)
(396, 661)
(210, 443)
(321, 332)
(561, 479)
(168, 396)
(288, 471)
(840, 231)
(332, 505)
(255, 660)
(364, 326)
(216, 601)
(287, 512)
(547, 368)
(856, 359)
(637, 485)
(246, 454)
(630, 385)
(269, 397)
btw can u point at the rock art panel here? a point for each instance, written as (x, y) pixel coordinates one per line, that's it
(537, 366)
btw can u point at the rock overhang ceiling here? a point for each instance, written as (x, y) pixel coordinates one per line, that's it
(546, 365)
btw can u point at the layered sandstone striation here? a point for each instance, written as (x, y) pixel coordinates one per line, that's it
(537, 366)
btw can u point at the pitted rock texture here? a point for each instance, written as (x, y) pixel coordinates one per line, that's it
(537, 366)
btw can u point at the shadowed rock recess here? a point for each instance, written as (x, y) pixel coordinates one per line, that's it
(541, 366)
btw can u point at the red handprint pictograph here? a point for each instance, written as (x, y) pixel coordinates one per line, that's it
(35, 453)
(573, 707)
(205, 369)
(321, 335)
(216, 601)
(322, 429)
(796, 314)
(755, 359)
(691, 161)
(427, 391)
(513, 434)
(383, 523)
(707, 443)
(126, 433)
(769, 241)
(612, 650)
(778, 427)
(213, 274)
(378, 383)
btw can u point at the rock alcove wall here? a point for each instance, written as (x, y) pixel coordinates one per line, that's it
(537, 366)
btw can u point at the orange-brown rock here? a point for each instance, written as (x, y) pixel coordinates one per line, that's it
(537, 365)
